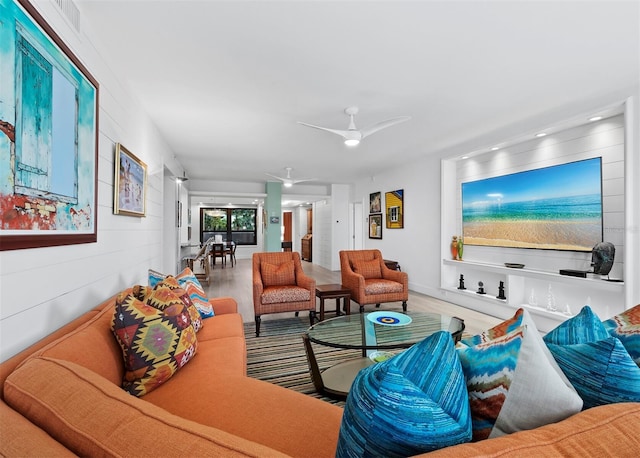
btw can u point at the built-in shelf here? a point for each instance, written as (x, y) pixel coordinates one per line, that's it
(538, 274)
(529, 288)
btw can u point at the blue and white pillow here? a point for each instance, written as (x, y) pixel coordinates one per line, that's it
(514, 383)
(596, 363)
(412, 403)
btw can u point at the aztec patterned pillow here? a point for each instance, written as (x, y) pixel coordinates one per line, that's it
(156, 340)
(514, 384)
(597, 364)
(172, 284)
(412, 403)
(368, 269)
(194, 289)
(278, 275)
(626, 327)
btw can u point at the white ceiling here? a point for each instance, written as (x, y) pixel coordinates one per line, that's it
(227, 81)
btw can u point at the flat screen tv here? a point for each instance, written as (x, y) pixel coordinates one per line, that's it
(552, 208)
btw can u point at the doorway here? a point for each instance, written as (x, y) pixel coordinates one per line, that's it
(287, 239)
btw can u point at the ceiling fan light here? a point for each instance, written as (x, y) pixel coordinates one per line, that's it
(351, 141)
(288, 184)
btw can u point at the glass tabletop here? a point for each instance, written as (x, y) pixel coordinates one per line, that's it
(359, 332)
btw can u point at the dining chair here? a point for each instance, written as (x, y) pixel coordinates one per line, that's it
(218, 250)
(230, 250)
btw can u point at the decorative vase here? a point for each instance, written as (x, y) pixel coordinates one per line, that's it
(460, 248)
(454, 247)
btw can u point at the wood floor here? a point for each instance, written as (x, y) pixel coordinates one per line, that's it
(237, 283)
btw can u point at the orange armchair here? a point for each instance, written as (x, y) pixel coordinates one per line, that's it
(280, 285)
(370, 280)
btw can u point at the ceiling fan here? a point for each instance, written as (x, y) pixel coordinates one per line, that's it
(352, 136)
(288, 181)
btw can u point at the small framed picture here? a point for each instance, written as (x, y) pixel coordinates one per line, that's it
(130, 185)
(375, 226)
(375, 202)
(394, 202)
(274, 219)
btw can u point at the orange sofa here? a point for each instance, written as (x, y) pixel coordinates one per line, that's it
(62, 397)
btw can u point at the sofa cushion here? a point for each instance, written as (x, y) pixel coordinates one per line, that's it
(93, 417)
(278, 274)
(513, 385)
(412, 403)
(368, 269)
(597, 364)
(155, 343)
(192, 286)
(20, 437)
(280, 294)
(91, 345)
(626, 327)
(285, 420)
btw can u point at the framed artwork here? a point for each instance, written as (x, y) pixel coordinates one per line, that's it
(375, 226)
(130, 184)
(48, 136)
(375, 202)
(394, 209)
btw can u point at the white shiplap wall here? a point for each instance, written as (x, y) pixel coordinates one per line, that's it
(605, 139)
(41, 289)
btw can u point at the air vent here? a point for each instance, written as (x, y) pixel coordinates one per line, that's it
(71, 11)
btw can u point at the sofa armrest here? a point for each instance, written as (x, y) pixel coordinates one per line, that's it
(224, 305)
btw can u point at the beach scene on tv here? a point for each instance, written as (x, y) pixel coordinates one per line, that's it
(553, 208)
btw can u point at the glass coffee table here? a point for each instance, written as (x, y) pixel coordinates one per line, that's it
(368, 332)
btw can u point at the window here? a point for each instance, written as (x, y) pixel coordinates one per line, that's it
(233, 224)
(394, 213)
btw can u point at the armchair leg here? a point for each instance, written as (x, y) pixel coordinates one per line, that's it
(312, 317)
(258, 320)
(404, 306)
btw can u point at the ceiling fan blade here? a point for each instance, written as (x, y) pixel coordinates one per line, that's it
(303, 180)
(342, 133)
(273, 176)
(383, 125)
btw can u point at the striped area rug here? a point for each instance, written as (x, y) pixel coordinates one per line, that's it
(278, 355)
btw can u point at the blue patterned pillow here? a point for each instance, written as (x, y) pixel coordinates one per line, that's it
(412, 403)
(514, 384)
(192, 286)
(597, 364)
(155, 277)
(626, 327)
